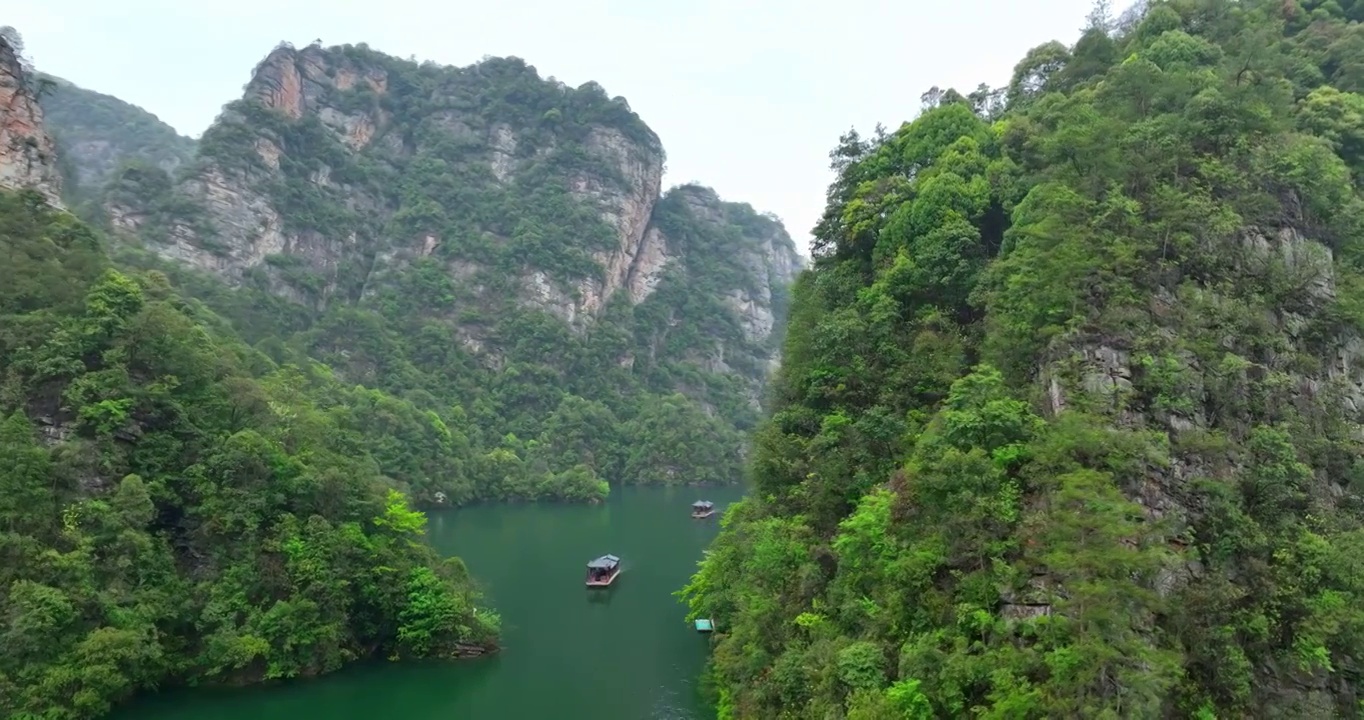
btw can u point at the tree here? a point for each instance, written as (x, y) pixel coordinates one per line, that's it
(1032, 73)
(1100, 17)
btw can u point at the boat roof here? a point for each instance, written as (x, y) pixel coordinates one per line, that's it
(703, 503)
(605, 561)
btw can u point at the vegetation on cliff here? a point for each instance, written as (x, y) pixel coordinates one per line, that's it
(1068, 418)
(447, 231)
(176, 506)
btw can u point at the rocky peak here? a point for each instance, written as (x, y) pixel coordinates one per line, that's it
(343, 170)
(27, 155)
(299, 82)
(346, 90)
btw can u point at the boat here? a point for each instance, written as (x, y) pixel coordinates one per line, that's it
(702, 509)
(603, 571)
(705, 625)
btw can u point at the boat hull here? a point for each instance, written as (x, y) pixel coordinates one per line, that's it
(604, 582)
(702, 516)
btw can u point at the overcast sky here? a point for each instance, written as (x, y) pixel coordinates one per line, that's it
(748, 96)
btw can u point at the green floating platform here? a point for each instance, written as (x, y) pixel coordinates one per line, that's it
(704, 625)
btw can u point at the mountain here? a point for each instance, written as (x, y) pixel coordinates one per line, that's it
(373, 285)
(96, 133)
(492, 247)
(175, 507)
(1069, 417)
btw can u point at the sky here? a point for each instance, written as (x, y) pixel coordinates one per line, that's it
(748, 96)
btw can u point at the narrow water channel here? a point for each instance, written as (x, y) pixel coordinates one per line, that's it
(618, 654)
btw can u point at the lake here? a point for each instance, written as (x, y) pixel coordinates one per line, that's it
(623, 653)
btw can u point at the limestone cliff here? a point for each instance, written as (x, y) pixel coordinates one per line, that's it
(342, 168)
(745, 260)
(764, 256)
(27, 155)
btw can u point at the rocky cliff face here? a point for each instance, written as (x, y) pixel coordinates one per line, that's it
(27, 155)
(1218, 364)
(342, 168)
(756, 250)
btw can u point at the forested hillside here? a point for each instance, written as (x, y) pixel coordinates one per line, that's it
(96, 133)
(492, 248)
(175, 506)
(1068, 422)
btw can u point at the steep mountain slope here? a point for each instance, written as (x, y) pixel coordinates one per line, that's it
(96, 133)
(173, 505)
(1068, 422)
(490, 245)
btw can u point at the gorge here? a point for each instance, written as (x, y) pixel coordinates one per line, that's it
(233, 367)
(1063, 420)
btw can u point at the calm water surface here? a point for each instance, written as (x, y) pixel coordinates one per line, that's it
(618, 654)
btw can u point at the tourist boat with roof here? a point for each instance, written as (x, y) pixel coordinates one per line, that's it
(603, 571)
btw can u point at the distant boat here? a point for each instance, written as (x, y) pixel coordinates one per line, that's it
(702, 509)
(603, 571)
(705, 625)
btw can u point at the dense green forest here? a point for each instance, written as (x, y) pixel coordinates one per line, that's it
(409, 270)
(1068, 418)
(177, 507)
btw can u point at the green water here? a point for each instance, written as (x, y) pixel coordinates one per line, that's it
(618, 654)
